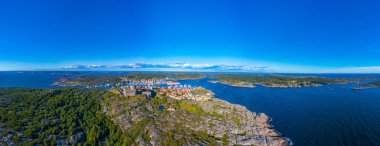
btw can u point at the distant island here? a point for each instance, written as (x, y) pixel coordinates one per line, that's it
(246, 81)
(117, 80)
(376, 84)
(367, 85)
(277, 81)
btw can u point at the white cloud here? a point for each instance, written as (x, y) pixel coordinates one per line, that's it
(264, 67)
(366, 69)
(169, 66)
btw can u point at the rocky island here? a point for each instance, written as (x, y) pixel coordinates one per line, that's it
(362, 86)
(193, 120)
(243, 84)
(170, 116)
(277, 81)
(375, 84)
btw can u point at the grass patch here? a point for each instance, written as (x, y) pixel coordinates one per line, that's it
(195, 109)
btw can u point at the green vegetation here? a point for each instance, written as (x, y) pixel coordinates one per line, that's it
(180, 76)
(91, 80)
(104, 117)
(170, 123)
(224, 140)
(195, 109)
(50, 116)
(115, 79)
(278, 80)
(200, 91)
(145, 76)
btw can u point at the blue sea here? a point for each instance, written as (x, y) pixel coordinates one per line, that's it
(307, 116)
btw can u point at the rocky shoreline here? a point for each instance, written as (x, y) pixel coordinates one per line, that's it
(289, 86)
(251, 129)
(251, 85)
(210, 122)
(238, 84)
(248, 85)
(138, 119)
(276, 81)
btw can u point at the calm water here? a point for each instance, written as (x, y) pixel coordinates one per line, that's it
(308, 116)
(312, 115)
(30, 79)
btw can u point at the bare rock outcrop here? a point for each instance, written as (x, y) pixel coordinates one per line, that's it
(194, 123)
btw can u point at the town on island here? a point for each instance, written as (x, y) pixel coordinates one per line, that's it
(145, 109)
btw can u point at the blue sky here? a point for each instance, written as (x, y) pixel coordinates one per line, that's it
(246, 35)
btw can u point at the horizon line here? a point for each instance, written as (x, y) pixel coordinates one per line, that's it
(205, 68)
(187, 71)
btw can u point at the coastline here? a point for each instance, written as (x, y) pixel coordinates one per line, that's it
(272, 136)
(283, 101)
(220, 119)
(251, 128)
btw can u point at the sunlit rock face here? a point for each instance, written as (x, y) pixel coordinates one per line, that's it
(192, 122)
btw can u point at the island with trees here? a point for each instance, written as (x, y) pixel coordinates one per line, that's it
(237, 80)
(276, 81)
(117, 80)
(72, 116)
(367, 85)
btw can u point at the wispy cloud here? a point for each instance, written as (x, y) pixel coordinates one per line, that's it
(170, 66)
(366, 69)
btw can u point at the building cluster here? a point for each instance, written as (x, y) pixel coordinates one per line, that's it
(150, 82)
(171, 83)
(186, 92)
(144, 81)
(176, 91)
(137, 90)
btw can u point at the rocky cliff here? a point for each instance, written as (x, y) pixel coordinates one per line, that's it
(165, 121)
